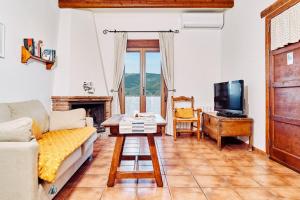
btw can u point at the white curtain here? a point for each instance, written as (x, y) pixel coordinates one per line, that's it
(166, 44)
(119, 65)
(285, 28)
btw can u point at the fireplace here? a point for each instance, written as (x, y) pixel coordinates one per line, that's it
(94, 110)
(97, 107)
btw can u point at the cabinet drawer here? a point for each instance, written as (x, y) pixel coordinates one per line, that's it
(232, 128)
(211, 131)
(209, 120)
(210, 125)
(205, 120)
(213, 121)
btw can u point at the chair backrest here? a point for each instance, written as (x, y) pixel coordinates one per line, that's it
(183, 101)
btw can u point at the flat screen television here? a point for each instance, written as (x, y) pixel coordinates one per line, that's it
(229, 97)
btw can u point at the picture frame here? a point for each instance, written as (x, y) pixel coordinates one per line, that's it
(2, 40)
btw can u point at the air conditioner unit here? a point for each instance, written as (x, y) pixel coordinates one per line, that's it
(209, 20)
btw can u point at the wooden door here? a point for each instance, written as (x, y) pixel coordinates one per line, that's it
(143, 88)
(284, 140)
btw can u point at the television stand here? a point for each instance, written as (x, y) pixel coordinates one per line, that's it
(218, 126)
(231, 115)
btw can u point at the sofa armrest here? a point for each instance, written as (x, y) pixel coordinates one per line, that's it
(89, 121)
(19, 170)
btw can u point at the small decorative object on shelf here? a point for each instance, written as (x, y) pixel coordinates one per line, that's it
(29, 45)
(32, 50)
(88, 87)
(48, 54)
(40, 48)
(26, 55)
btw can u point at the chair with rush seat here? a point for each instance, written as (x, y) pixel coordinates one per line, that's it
(186, 119)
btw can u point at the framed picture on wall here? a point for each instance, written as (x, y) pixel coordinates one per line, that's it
(2, 37)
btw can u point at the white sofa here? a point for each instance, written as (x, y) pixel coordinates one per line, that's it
(19, 160)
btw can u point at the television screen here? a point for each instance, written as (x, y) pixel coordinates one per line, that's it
(229, 96)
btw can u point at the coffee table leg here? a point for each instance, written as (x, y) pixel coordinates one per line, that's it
(115, 161)
(120, 159)
(155, 162)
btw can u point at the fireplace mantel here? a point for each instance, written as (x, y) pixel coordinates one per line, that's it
(63, 103)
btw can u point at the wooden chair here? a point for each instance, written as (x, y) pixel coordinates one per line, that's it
(189, 123)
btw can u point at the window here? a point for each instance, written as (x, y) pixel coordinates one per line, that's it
(143, 87)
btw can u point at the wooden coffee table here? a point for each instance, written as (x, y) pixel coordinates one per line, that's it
(113, 124)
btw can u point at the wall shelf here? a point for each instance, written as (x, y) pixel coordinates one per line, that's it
(26, 55)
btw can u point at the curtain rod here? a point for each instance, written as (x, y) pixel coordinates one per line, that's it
(105, 31)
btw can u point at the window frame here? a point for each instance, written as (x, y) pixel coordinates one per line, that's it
(143, 46)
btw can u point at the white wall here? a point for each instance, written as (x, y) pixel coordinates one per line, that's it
(243, 57)
(78, 54)
(197, 52)
(202, 57)
(26, 19)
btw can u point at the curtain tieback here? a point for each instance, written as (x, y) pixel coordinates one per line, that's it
(112, 90)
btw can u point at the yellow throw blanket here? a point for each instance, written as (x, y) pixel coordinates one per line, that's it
(56, 146)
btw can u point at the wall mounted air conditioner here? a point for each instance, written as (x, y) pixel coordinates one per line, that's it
(208, 20)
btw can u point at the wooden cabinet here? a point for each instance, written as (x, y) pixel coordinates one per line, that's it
(217, 127)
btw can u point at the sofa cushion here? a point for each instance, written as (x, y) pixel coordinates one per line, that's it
(68, 162)
(89, 143)
(56, 146)
(89, 121)
(33, 109)
(18, 130)
(62, 179)
(71, 119)
(184, 113)
(4, 112)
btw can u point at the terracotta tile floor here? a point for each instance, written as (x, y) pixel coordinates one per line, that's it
(190, 170)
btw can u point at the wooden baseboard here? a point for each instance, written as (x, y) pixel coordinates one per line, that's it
(260, 151)
(254, 148)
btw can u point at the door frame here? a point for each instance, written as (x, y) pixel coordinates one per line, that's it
(143, 46)
(269, 13)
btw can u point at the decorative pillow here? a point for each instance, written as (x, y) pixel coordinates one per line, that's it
(18, 130)
(184, 113)
(33, 109)
(36, 130)
(5, 114)
(89, 122)
(71, 119)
